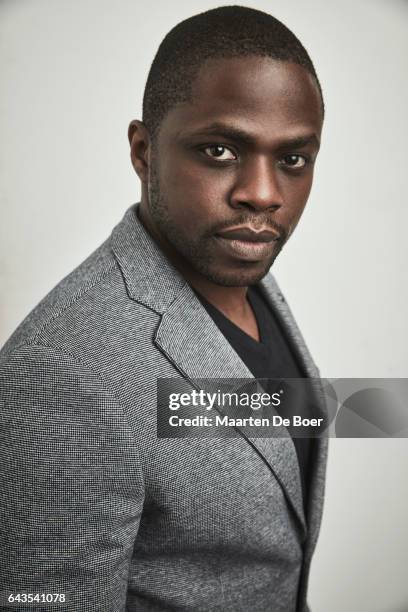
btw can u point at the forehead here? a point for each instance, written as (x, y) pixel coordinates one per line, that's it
(262, 95)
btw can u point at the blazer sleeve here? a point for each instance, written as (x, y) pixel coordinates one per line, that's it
(71, 491)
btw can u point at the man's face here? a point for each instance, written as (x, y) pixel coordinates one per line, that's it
(231, 170)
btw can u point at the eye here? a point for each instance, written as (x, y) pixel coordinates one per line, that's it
(294, 161)
(219, 153)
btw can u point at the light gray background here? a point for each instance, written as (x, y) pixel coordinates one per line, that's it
(73, 73)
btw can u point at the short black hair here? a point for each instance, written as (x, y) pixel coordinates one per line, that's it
(227, 31)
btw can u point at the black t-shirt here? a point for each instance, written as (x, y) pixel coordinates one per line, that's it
(269, 358)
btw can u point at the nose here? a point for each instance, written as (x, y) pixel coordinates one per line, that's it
(257, 186)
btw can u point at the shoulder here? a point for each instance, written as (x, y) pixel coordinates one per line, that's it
(81, 310)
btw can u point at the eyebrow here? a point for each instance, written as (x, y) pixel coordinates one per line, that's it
(239, 135)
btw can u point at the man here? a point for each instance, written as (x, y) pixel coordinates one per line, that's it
(95, 506)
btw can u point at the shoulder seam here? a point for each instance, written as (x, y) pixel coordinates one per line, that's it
(80, 362)
(97, 374)
(83, 291)
(66, 353)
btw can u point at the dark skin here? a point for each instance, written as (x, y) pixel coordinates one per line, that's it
(239, 154)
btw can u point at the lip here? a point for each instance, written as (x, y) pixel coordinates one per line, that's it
(248, 234)
(245, 249)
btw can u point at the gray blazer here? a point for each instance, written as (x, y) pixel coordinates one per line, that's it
(93, 505)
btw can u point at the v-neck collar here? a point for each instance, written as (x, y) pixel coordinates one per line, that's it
(240, 335)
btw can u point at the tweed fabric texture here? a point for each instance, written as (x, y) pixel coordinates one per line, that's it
(92, 503)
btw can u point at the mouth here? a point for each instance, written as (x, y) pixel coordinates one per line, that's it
(248, 244)
(246, 250)
(249, 234)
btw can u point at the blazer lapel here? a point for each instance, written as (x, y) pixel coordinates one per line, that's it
(314, 509)
(188, 336)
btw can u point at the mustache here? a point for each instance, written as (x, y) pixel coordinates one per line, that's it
(256, 222)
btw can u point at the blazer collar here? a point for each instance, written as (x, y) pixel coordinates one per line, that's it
(149, 276)
(193, 343)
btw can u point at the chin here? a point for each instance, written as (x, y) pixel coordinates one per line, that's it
(243, 277)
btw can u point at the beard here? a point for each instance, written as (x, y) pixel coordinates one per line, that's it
(199, 251)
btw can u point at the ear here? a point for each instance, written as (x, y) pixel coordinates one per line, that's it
(139, 141)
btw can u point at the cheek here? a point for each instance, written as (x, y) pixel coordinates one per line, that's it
(194, 193)
(297, 193)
